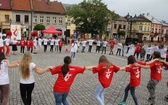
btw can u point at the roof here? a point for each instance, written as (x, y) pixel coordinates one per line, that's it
(5, 4)
(47, 6)
(21, 5)
(151, 18)
(121, 19)
(140, 18)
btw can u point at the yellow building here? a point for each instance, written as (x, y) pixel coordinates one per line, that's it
(139, 27)
(5, 16)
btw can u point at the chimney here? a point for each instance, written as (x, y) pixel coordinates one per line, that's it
(148, 14)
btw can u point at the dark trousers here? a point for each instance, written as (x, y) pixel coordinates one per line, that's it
(26, 91)
(22, 49)
(118, 51)
(98, 48)
(51, 48)
(90, 48)
(132, 91)
(45, 48)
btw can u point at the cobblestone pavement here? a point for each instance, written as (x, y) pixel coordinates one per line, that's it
(82, 90)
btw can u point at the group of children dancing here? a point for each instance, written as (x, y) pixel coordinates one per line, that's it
(67, 73)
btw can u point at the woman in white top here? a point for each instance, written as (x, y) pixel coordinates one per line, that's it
(73, 49)
(4, 78)
(14, 46)
(27, 81)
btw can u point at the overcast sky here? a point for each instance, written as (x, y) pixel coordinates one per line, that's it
(157, 8)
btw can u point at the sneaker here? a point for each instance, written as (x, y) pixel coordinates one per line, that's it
(122, 103)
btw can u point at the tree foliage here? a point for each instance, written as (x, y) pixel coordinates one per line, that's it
(39, 27)
(91, 16)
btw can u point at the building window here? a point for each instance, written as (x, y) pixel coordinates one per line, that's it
(26, 18)
(115, 26)
(17, 18)
(54, 19)
(140, 28)
(34, 19)
(145, 28)
(124, 27)
(68, 22)
(41, 19)
(48, 19)
(6, 17)
(60, 20)
(120, 26)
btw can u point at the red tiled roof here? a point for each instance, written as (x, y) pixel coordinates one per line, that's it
(21, 5)
(45, 6)
(5, 4)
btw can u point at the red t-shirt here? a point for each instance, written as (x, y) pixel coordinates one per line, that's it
(63, 84)
(135, 74)
(22, 43)
(167, 54)
(112, 43)
(138, 48)
(104, 74)
(28, 43)
(156, 70)
(60, 43)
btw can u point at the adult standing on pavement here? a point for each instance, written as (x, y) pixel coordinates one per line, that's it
(56, 44)
(73, 49)
(4, 78)
(45, 43)
(90, 41)
(66, 75)
(104, 46)
(83, 45)
(52, 44)
(7, 44)
(98, 45)
(105, 70)
(112, 43)
(27, 81)
(22, 45)
(14, 46)
(60, 43)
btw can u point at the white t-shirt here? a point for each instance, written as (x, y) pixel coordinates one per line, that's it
(4, 78)
(45, 41)
(56, 42)
(119, 45)
(7, 41)
(31, 78)
(84, 43)
(98, 43)
(149, 50)
(35, 42)
(90, 42)
(39, 41)
(52, 42)
(1, 43)
(163, 52)
(73, 47)
(105, 43)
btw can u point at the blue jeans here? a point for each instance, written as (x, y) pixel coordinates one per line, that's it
(132, 90)
(99, 93)
(83, 49)
(60, 97)
(72, 54)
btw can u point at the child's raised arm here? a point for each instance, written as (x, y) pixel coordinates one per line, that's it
(142, 66)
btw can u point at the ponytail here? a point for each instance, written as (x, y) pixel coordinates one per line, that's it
(65, 68)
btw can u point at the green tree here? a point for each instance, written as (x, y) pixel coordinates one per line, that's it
(121, 33)
(90, 16)
(39, 27)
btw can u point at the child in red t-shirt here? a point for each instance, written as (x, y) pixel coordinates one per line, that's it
(66, 75)
(105, 70)
(156, 75)
(134, 68)
(166, 63)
